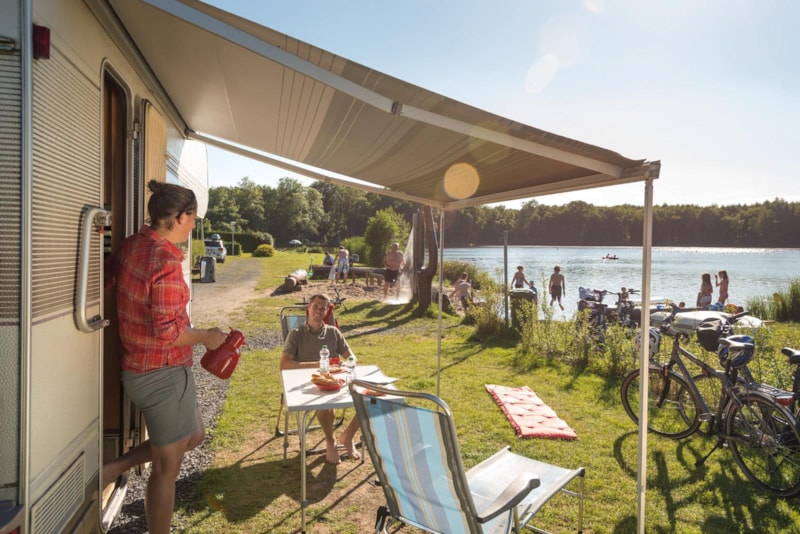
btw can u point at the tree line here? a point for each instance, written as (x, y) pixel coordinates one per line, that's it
(326, 214)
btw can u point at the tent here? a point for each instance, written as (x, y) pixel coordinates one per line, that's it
(254, 91)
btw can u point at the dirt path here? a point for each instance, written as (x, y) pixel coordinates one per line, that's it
(214, 304)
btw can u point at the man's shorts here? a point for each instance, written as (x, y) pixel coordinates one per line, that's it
(390, 276)
(342, 266)
(168, 400)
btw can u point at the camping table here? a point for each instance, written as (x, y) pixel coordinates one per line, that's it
(304, 398)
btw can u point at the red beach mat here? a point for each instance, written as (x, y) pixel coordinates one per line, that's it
(528, 414)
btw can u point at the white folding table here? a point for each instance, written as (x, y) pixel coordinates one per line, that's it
(304, 398)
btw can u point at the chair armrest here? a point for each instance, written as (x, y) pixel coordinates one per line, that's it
(514, 493)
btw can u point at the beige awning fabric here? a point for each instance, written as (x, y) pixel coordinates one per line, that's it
(259, 92)
(266, 95)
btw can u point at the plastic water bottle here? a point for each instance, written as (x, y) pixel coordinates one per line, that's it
(324, 359)
(350, 365)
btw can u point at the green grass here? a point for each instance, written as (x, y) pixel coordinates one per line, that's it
(249, 490)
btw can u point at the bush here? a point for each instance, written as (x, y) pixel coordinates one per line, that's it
(198, 249)
(453, 269)
(264, 251)
(356, 245)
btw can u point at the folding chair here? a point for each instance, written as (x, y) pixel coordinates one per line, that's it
(414, 450)
(293, 317)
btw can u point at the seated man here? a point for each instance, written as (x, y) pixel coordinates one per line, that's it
(301, 350)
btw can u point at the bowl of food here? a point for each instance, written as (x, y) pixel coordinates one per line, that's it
(325, 381)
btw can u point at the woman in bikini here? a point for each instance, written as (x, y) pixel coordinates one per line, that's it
(721, 281)
(706, 293)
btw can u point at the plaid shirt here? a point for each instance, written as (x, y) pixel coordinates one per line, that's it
(151, 299)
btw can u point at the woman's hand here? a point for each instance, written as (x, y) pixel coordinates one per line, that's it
(214, 337)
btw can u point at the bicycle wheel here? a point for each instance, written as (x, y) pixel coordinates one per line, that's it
(672, 408)
(765, 443)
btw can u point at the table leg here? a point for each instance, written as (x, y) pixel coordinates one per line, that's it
(301, 432)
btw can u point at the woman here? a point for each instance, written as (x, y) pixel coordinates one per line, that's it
(721, 281)
(706, 291)
(157, 339)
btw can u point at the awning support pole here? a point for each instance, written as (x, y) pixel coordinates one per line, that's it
(644, 356)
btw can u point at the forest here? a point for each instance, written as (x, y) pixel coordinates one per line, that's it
(325, 214)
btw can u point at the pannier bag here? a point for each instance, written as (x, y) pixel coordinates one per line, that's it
(709, 332)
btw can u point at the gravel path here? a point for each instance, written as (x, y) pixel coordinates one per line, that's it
(212, 303)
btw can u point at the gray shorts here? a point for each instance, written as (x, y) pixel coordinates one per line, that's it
(168, 400)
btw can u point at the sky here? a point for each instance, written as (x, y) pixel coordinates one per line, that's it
(711, 88)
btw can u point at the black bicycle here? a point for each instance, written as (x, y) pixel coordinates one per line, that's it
(598, 315)
(761, 433)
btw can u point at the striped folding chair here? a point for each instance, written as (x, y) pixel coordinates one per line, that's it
(415, 452)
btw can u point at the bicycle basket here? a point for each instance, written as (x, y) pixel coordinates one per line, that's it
(737, 357)
(709, 332)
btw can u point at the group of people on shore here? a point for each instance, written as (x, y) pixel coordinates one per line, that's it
(339, 264)
(705, 297)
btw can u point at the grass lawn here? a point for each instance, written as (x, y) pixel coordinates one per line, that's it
(249, 489)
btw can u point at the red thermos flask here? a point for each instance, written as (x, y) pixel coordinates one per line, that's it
(223, 360)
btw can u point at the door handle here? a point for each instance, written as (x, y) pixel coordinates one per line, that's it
(94, 220)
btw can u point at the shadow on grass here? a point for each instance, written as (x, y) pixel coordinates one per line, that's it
(691, 484)
(250, 486)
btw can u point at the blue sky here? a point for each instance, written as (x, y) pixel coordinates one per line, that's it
(709, 87)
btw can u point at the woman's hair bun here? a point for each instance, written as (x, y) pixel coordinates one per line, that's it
(155, 186)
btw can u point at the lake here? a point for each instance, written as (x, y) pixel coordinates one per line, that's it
(753, 273)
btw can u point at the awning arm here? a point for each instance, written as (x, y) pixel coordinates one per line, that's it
(312, 173)
(629, 175)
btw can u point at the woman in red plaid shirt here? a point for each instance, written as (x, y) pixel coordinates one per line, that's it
(157, 339)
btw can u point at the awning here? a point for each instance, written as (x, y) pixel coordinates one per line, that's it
(256, 91)
(261, 93)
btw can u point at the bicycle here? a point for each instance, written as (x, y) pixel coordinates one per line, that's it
(337, 301)
(600, 315)
(761, 434)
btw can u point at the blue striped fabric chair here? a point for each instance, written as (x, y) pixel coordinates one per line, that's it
(415, 452)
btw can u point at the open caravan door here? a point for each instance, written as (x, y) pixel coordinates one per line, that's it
(260, 93)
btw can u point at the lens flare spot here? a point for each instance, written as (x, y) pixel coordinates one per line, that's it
(461, 181)
(541, 73)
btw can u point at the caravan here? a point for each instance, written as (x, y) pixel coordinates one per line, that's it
(84, 125)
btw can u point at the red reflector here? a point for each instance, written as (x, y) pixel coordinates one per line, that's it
(41, 42)
(784, 401)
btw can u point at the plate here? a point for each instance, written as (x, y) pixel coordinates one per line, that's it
(325, 387)
(336, 369)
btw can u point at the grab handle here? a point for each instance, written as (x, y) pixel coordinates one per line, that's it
(94, 220)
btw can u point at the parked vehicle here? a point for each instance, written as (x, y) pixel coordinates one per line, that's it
(216, 249)
(84, 126)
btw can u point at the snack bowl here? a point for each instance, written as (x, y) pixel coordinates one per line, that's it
(331, 387)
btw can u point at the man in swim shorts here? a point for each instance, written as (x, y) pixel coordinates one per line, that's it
(557, 287)
(393, 261)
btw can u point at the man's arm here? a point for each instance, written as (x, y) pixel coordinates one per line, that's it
(288, 362)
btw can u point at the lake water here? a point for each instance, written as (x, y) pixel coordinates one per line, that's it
(753, 273)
